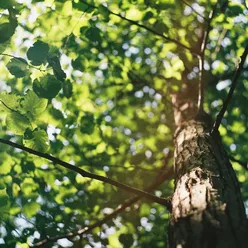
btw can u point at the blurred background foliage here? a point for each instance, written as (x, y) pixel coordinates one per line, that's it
(90, 82)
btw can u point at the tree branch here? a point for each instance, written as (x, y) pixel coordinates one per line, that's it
(160, 200)
(71, 33)
(230, 93)
(191, 7)
(201, 58)
(159, 180)
(221, 37)
(193, 51)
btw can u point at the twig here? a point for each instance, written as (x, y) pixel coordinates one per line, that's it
(201, 58)
(221, 37)
(20, 59)
(160, 200)
(230, 93)
(159, 180)
(242, 163)
(191, 7)
(193, 51)
(201, 83)
(69, 36)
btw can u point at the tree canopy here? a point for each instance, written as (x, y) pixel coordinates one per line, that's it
(86, 111)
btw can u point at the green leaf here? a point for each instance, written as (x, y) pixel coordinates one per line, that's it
(67, 89)
(18, 67)
(28, 134)
(4, 198)
(53, 52)
(30, 209)
(5, 4)
(245, 2)
(83, 7)
(37, 141)
(33, 104)
(17, 123)
(93, 34)
(145, 209)
(48, 87)
(57, 70)
(150, 3)
(28, 186)
(104, 12)
(87, 123)
(80, 63)
(38, 52)
(6, 163)
(6, 31)
(3, 46)
(126, 239)
(160, 27)
(147, 16)
(9, 102)
(234, 9)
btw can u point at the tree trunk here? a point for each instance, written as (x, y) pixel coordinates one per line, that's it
(207, 207)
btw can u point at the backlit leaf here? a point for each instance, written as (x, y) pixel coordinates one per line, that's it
(17, 123)
(38, 141)
(30, 209)
(33, 104)
(9, 102)
(6, 163)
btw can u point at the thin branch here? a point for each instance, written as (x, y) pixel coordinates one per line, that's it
(193, 51)
(134, 167)
(242, 163)
(206, 33)
(20, 59)
(201, 83)
(160, 200)
(159, 180)
(191, 7)
(71, 33)
(201, 58)
(230, 93)
(221, 37)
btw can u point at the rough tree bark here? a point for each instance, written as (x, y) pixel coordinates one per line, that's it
(207, 207)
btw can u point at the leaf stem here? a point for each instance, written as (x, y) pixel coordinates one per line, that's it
(12, 56)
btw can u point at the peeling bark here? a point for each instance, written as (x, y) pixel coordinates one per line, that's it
(207, 207)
